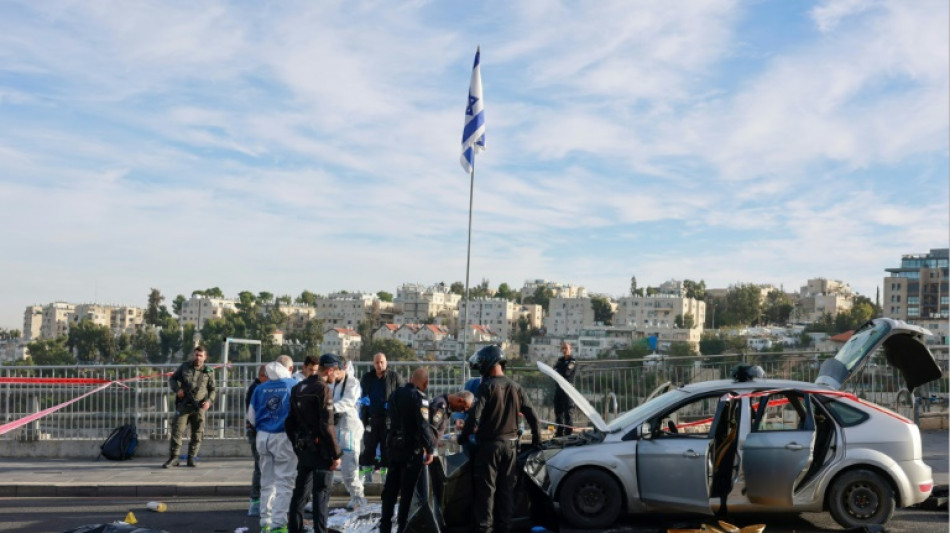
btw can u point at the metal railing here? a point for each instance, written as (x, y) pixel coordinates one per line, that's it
(611, 386)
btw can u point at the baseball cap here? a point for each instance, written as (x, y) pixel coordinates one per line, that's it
(331, 359)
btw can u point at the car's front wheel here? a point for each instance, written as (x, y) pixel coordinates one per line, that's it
(590, 499)
(861, 497)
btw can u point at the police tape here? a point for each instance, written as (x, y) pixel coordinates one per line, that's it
(53, 381)
(10, 426)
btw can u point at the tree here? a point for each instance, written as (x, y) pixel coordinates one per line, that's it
(695, 290)
(178, 304)
(681, 349)
(265, 298)
(188, 337)
(637, 350)
(686, 321)
(307, 298)
(153, 312)
(743, 305)
(603, 311)
(385, 296)
(778, 308)
(214, 292)
(50, 352)
(712, 346)
(283, 300)
(91, 342)
(504, 291)
(145, 342)
(542, 296)
(394, 350)
(457, 288)
(9, 334)
(169, 338)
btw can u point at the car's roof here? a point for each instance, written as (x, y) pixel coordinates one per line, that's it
(757, 384)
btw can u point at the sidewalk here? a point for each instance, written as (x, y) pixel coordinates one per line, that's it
(225, 476)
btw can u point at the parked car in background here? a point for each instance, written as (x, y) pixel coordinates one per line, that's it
(750, 445)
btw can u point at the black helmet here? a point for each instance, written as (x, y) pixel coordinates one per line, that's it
(484, 359)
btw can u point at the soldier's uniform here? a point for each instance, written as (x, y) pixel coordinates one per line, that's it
(410, 437)
(198, 385)
(563, 406)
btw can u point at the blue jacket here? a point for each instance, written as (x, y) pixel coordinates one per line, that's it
(270, 404)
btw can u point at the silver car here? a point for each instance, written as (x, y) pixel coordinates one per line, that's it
(750, 445)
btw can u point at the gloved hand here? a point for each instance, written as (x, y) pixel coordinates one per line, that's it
(364, 401)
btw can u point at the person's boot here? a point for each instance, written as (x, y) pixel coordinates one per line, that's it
(172, 461)
(191, 461)
(367, 473)
(254, 509)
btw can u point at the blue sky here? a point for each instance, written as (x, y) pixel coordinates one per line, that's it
(295, 145)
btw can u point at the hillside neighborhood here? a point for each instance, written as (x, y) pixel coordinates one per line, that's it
(434, 322)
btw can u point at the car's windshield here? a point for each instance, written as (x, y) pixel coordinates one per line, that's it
(645, 408)
(864, 340)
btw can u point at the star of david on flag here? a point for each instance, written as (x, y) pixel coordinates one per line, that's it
(473, 136)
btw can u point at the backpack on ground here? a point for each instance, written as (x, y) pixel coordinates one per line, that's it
(121, 443)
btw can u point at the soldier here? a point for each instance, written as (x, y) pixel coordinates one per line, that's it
(495, 415)
(563, 406)
(310, 428)
(411, 446)
(193, 385)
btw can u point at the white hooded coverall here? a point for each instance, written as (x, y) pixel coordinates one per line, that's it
(346, 393)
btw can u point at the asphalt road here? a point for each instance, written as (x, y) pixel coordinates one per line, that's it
(224, 515)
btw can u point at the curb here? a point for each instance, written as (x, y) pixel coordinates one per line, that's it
(77, 490)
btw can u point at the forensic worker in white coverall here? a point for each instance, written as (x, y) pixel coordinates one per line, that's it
(346, 395)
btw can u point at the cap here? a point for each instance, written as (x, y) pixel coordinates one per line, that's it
(331, 359)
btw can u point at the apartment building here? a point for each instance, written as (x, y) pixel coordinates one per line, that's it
(498, 314)
(658, 312)
(917, 292)
(199, 309)
(56, 319)
(348, 310)
(567, 316)
(32, 322)
(820, 296)
(119, 319)
(342, 341)
(559, 290)
(416, 304)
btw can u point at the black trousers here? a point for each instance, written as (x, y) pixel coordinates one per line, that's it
(314, 478)
(400, 481)
(374, 434)
(563, 414)
(493, 473)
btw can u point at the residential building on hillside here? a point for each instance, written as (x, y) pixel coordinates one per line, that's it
(342, 341)
(32, 322)
(119, 319)
(386, 331)
(199, 309)
(917, 292)
(56, 320)
(658, 312)
(348, 310)
(416, 304)
(560, 290)
(499, 314)
(406, 334)
(820, 296)
(567, 316)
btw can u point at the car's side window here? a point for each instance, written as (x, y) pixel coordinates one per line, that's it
(692, 419)
(781, 411)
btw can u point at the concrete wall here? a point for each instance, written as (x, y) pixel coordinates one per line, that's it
(74, 449)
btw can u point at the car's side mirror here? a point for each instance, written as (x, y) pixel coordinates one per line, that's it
(645, 431)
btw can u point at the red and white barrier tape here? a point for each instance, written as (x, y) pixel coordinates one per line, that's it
(10, 426)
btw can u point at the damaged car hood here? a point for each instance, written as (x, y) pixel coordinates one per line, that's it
(579, 400)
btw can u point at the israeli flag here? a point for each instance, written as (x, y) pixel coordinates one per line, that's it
(473, 136)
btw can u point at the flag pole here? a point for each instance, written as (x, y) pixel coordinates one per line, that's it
(468, 262)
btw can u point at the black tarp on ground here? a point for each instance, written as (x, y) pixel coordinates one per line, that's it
(118, 527)
(442, 502)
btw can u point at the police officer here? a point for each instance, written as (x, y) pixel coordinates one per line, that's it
(563, 406)
(310, 428)
(495, 415)
(443, 408)
(193, 385)
(411, 445)
(376, 386)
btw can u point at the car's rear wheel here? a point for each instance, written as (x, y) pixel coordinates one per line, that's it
(861, 497)
(590, 499)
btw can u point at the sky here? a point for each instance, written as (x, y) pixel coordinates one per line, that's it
(284, 146)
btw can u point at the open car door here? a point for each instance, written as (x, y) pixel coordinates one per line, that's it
(675, 455)
(778, 450)
(904, 348)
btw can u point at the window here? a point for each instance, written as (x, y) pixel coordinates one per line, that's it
(846, 415)
(692, 419)
(783, 411)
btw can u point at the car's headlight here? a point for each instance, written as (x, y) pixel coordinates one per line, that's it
(536, 466)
